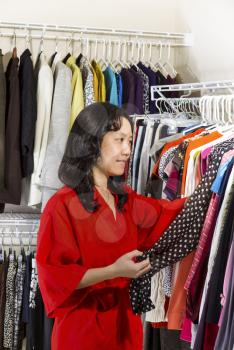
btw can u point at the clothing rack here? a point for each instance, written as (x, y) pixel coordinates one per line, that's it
(213, 108)
(18, 229)
(185, 39)
(202, 86)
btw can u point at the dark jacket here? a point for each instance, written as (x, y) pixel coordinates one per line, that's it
(27, 111)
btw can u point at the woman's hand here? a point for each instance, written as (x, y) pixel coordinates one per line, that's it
(125, 266)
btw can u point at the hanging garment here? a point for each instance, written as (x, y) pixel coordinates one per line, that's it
(119, 83)
(3, 276)
(152, 82)
(225, 338)
(12, 191)
(77, 90)
(208, 325)
(28, 111)
(87, 77)
(193, 144)
(58, 131)
(67, 226)
(44, 100)
(2, 122)
(128, 90)
(196, 278)
(26, 288)
(158, 299)
(111, 86)
(130, 162)
(177, 305)
(219, 229)
(36, 313)
(139, 92)
(101, 81)
(9, 309)
(182, 236)
(144, 159)
(146, 96)
(19, 284)
(95, 84)
(137, 155)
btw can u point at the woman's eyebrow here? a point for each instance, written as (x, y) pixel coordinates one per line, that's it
(125, 135)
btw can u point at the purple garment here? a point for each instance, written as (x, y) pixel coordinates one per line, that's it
(152, 82)
(226, 282)
(204, 160)
(172, 184)
(225, 337)
(139, 92)
(128, 80)
(197, 275)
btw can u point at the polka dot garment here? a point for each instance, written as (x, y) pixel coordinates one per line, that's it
(182, 235)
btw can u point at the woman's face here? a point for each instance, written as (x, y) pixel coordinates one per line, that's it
(115, 150)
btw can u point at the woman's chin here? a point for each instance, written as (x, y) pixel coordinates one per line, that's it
(117, 173)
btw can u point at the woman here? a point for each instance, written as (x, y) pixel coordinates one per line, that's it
(90, 234)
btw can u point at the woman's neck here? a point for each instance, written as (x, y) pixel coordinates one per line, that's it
(100, 179)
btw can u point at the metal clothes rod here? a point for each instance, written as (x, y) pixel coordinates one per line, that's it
(73, 39)
(195, 86)
(7, 224)
(187, 37)
(209, 85)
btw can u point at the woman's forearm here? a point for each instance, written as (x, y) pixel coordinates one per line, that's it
(93, 276)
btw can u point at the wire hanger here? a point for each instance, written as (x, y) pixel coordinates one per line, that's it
(158, 65)
(102, 62)
(173, 72)
(125, 54)
(117, 61)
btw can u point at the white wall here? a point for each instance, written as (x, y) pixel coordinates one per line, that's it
(145, 15)
(212, 24)
(149, 15)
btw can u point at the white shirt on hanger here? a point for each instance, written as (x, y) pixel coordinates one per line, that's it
(44, 100)
(58, 130)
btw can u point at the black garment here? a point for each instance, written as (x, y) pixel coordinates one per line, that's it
(3, 276)
(218, 272)
(35, 326)
(2, 122)
(78, 59)
(152, 82)
(225, 338)
(151, 144)
(28, 110)
(66, 58)
(163, 339)
(163, 132)
(47, 332)
(51, 60)
(160, 80)
(137, 160)
(129, 84)
(12, 192)
(139, 92)
(209, 315)
(26, 292)
(182, 235)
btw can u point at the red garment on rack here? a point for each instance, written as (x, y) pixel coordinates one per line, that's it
(71, 240)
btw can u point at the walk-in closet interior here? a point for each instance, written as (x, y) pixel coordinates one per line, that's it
(170, 65)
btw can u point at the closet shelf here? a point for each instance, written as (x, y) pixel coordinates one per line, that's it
(179, 39)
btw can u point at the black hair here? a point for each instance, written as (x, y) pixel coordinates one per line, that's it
(83, 149)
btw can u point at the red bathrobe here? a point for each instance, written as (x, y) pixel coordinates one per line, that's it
(71, 240)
